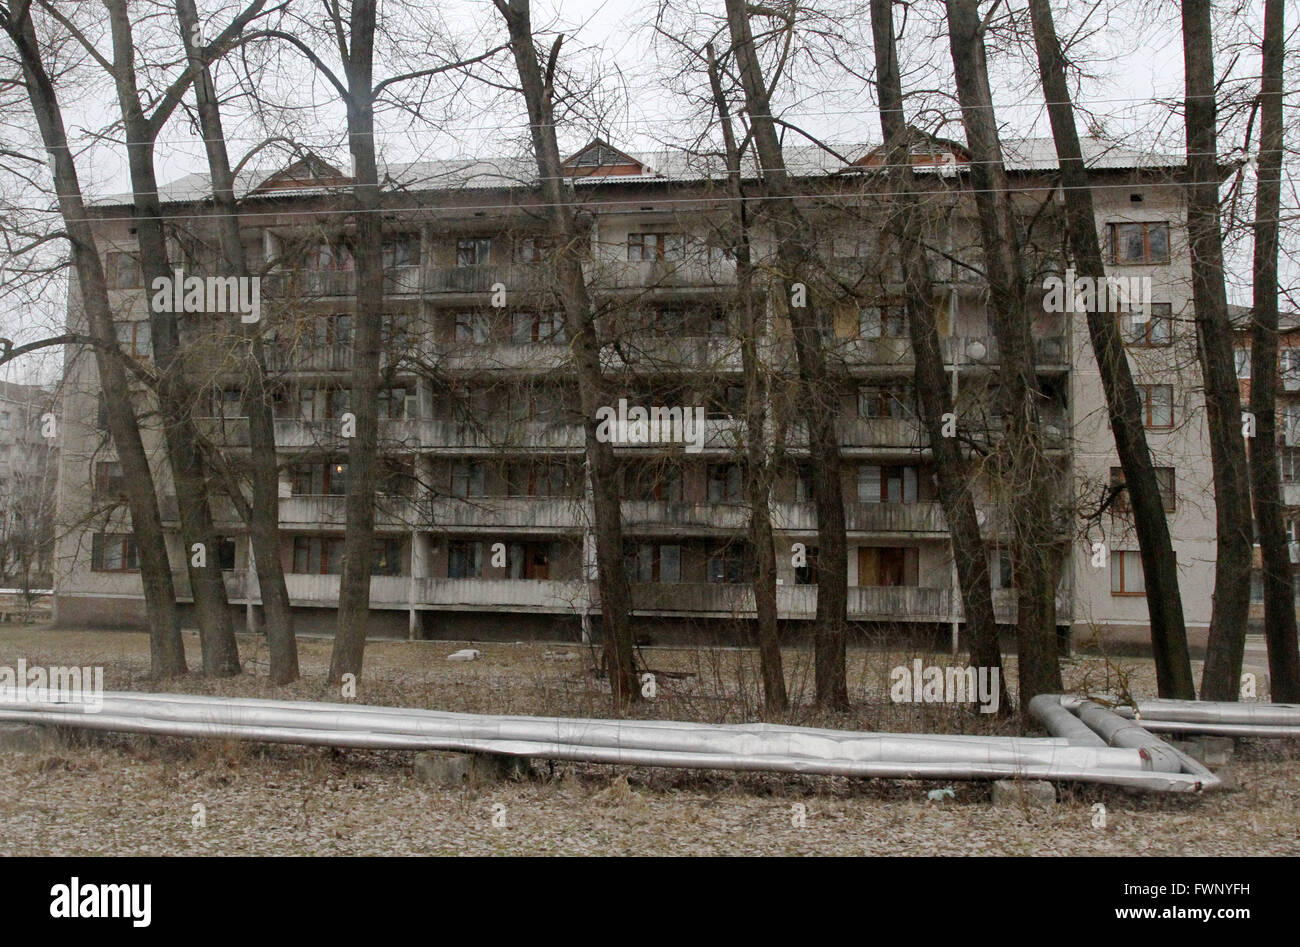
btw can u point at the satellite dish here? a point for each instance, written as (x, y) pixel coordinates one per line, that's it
(976, 350)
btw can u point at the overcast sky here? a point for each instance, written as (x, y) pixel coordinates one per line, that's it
(1134, 60)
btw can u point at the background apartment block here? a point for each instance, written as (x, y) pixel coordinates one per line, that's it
(28, 469)
(484, 521)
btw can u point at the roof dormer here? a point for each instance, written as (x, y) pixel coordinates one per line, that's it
(601, 159)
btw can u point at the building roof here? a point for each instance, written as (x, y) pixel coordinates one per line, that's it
(314, 177)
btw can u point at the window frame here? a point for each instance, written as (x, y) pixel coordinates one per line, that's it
(1113, 244)
(1119, 559)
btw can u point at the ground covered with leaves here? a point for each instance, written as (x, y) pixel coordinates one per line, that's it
(133, 795)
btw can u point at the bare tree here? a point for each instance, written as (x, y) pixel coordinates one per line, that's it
(758, 469)
(935, 401)
(1279, 597)
(1028, 473)
(263, 513)
(537, 84)
(1164, 601)
(1227, 637)
(796, 262)
(167, 654)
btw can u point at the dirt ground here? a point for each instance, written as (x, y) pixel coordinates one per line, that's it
(125, 794)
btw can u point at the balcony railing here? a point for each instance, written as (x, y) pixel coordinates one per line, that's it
(660, 274)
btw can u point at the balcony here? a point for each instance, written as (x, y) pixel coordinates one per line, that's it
(480, 278)
(532, 357)
(915, 518)
(509, 595)
(694, 273)
(649, 352)
(307, 357)
(965, 351)
(899, 433)
(517, 514)
(308, 283)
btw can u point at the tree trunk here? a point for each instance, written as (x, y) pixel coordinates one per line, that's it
(264, 521)
(935, 401)
(757, 468)
(1164, 602)
(363, 462)
(1279, 595)
(166, 651)
(793, 241)
(1029, 472)
(176, 398)
(615, 595)
(1227, 640)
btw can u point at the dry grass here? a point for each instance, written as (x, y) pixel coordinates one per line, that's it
(122, 794)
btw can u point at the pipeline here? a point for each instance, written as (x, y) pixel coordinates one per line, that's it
(1065, 756)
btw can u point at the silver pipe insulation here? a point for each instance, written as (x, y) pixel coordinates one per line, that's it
(614, 734)
(1221, 718)
(1049, 710)
(651, 743)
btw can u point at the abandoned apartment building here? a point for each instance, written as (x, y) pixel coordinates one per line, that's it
(484, 518)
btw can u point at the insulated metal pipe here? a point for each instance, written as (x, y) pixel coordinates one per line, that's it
(696, 746)
(625, 735)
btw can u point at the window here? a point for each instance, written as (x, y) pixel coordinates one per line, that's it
(386, 559)
(396, 477)
(806, 574)
(1289, 362)
(538, 327)
(6, 421)
(402, 250)
(392, 403)
(886, 401)
(888, 566)
(473, 251)
(330, 255)
(531, 249)
(875, 322)
(720, 322)
(725, 483)
(654, 562)
(113, 552)
(467, 479)
(1157, 405)
(803, 484)
(339, 402)
(1241, 362)
(318, 555)
(1001, 572)
(1126, 573)
(1164, 477)
(333, 330)
(727, 566)
(1138, 243)
(878, 484)
(320, 480)
(728, 402)
(122, 271)
(395, 331)
(1291, 423)
(133, 338)
(656, 246)
(109, 479)
(1289, 460)
(653, 483)
(464, 560)
(528, 560)
(1156, 329)
(227, 403)
(473, 327)
(101, 412)
(225, 554)
(537, 480)
(672, 322)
